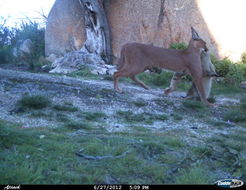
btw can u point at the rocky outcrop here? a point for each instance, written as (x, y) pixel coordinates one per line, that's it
(24, 49)
(26, 46)
(77, 60)
(160, 22)
(65, 29)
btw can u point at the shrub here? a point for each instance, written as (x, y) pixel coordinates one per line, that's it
(235, 75)
(5, 41)
(5, 54)
(11, 38)
(34, 101)
(243, 57)
(31, 30)
(243, 69)
(232, 72)
(222, 66)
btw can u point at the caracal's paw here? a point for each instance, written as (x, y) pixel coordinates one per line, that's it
(167, 91)
(119, 91)
(210, 105)
(146, 88)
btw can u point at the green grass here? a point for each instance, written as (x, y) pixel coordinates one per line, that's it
(34, 102)
(147, 118)
(219, 124)
(155, 79)
(61, 117)
(225, 89)
(140, 103)
(140, 129)
(152, 79)
(52, 159)
(91, 116)
(243, 103)
(192, 104)
(65, 107)
(194, 175)
(44, 114)
(153, 158)
(234, 115)
(178, 46)
(177, 117)
(78, 125)
(84, 72)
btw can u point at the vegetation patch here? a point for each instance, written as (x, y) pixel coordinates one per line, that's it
(140, 103)
(192, 104)
(61, 117)
(243, 104)
(50, 154)
(155, 79)
(179, 46)
(147, 118)
(68, 108)
(177, 117)
(235, 115)
(78, 125)
(92, 116)
(34, 102)
(84, 72)
(194, 175)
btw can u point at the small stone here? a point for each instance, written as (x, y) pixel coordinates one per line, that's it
(41, 136)
(28, 156)
(243, 85)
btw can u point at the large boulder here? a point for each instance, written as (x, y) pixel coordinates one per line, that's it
(160, 22)
(24, 50)
(65, 28)
(26, 47)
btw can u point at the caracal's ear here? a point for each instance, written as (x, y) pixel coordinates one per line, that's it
(198, 44)
(195, 35)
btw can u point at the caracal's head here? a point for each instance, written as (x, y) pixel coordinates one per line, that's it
(200, 44)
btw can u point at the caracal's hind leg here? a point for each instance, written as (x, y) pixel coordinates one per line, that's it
(134, 78)
(177, 77)
(116, 77)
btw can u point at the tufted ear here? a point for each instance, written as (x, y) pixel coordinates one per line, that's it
(195, 35)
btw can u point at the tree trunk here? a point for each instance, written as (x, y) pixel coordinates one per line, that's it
(98, 39)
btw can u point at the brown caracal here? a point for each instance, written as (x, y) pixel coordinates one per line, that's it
(136, 58)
